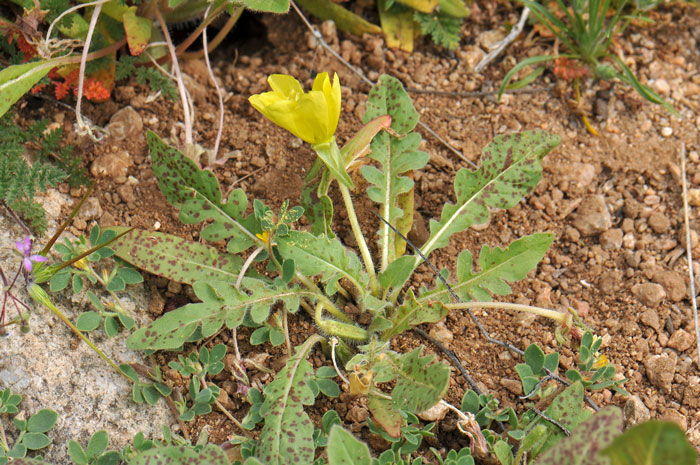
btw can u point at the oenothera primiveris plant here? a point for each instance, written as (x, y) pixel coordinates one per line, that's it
(310, 268)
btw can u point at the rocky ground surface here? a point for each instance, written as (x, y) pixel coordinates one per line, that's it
(613, 201)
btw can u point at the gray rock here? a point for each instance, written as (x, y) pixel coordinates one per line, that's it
(635, 411)
(650, 294)
(660, 370)
(49, 369)
(592, 216)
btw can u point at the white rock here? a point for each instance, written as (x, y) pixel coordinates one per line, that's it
(434, 413)
(666, 131)
(49, 371)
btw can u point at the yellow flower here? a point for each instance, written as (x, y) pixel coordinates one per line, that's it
(265, 236)
(600, 362)
(313, 117)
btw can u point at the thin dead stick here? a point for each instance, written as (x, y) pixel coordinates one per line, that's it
(480, 93)
(317, 35)
(205, 49)
(500, 46)
(689, 252)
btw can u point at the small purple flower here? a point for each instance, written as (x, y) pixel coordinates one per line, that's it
(25, 248)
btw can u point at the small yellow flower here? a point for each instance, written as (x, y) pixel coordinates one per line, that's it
(265, 236)
(312, 116)
(600, 362)
(81, 264)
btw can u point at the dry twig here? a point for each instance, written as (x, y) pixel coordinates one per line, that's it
(689, 252)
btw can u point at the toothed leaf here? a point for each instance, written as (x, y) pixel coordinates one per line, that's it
(497, 268)
(510, 168)
(318, 255)
(221, 303)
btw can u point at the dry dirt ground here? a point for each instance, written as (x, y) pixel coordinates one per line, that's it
(613, 201)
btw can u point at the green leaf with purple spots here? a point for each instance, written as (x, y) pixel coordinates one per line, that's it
(421, 384)
(345, 449)
(287, 436)
(198, 195)
(221, 304)
(181, 455)
(388, 97)
(497, 266)
(175, 258)
(314, 255)
(510, 168)
(567, 409)
(392, 185)
(587, 440)
(651, 443)
(177, 174)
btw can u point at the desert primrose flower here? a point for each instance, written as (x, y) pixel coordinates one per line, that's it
(312, 117)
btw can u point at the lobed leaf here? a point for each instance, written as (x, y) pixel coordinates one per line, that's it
(319, 255)
(510, 168)
(420, 384)
(497, 267)
(392, 185)
(196, 192)
(175, 258)
(412, 313)
(221, 304)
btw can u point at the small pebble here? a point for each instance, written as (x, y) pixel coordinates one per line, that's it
(666, 131)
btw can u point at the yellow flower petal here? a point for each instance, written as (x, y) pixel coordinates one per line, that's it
(285, 85)
(313, 116)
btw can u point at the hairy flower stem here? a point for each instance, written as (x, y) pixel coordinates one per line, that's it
(360, 238)
(339, 329)
(562, 318)
(327, 303)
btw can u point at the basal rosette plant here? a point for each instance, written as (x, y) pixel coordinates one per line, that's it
(310, 268)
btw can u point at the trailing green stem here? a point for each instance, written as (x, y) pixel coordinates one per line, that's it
(39, 295)
(360, 238)
(562, 318)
